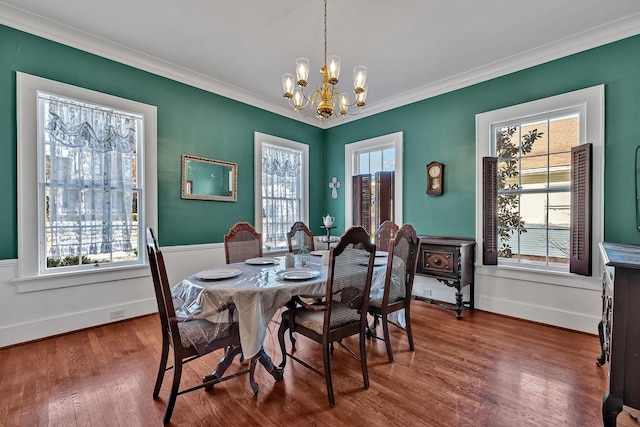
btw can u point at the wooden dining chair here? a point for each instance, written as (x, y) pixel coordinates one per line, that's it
(404, 247)
(190, 339)
(384, 233)
(300, 235)
(343, 312)
(242, 243)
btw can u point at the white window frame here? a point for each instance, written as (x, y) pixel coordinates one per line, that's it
(260, 138)
(351, 152)
(29, 277)
(592, 130)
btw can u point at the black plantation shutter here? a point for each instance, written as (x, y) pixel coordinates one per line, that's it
(362, 201)
(490, 211)
(384, 197)
(581, 210)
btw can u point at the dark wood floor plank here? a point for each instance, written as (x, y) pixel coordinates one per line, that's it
(484, 370)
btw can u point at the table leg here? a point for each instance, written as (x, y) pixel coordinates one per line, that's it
(266, 361)
(230, 353)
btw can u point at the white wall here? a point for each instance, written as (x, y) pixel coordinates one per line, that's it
(573, 307)
(32, 315)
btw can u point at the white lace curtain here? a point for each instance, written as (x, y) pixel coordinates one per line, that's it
(90, 174)
(281, 177)
(280, 161)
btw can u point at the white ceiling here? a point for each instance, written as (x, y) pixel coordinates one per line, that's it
(413, 49)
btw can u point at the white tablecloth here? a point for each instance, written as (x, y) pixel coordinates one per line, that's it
(257, 294)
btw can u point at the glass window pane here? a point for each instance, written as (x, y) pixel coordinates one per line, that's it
(559, 209)
(533, 246)
(506, 138)
(534, 172)
(559, 245)
(533, 210)
(508, 174)
(375, 158)
(564, 133)
(389, 160)
(534, 139)
(560, 170)
(363, 164)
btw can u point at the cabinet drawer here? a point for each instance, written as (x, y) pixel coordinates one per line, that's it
(439, 261)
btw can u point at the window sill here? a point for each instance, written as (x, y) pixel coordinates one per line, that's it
(79, 278)
(548, 277)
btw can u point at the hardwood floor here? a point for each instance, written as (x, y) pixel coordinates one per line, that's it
(484, 370)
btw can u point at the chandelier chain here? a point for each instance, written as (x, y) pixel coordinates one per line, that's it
(325, 33)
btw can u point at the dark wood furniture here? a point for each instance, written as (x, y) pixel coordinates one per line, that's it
(405, 245)
(328, 234)
(387, 231)
(300, 235)
(450, 261)
(242, 243)
(190, 339)
(619, 328)
(342, 313)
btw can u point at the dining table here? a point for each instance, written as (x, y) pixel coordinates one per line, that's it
(259, 287)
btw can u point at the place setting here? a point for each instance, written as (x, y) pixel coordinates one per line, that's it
(218, 273)
(297, 273)
(261, 261)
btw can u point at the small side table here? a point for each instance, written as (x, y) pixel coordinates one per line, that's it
(328, 234)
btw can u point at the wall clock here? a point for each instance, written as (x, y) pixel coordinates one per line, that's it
(435, 178)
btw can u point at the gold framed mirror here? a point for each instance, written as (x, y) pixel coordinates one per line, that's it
(209, 179)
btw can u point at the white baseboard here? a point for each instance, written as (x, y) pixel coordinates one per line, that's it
(41, 328)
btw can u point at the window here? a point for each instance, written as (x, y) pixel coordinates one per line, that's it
(87, 186)
(281, 174)
(536, 213)
(374, 181)
(93, 190)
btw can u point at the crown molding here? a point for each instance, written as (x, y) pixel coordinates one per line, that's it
(46, 28)
(608, 33)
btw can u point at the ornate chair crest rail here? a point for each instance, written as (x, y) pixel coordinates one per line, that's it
(242, 242)
(387, 231)
(300, 234)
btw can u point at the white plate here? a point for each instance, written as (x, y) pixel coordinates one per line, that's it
(218, 273)
(319, 253)
(298, 273)
(261, 261)
(377, 262)
(382, 253)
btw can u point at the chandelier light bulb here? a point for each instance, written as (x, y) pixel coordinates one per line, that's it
(298, 98)
(333, 65)
(302, 71)
(359, 78)
(288, 84)
(361, 96)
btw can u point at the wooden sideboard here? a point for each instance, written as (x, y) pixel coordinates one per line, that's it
(450, 261)
(619, 329)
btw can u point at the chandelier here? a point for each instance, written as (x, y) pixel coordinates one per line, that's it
(324, 99)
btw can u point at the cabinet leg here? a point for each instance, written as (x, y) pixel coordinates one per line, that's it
(459, 305)
(603, 357)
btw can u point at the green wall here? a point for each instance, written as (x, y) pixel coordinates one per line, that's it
(443, 129)
(190, 121)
